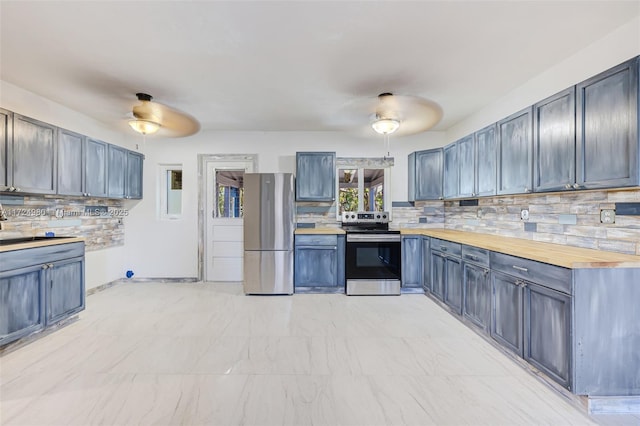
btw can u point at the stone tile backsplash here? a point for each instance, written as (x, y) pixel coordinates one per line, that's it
(36, 215)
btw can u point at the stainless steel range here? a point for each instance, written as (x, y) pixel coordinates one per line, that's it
(373, 254)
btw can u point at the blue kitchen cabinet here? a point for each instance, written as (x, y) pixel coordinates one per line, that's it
(39, 287)
(554, 143)
(477, 286)
(116, 171)
(6, 135)
(316, 176)
(33, 155)
(71, 158)
(466, 167)
(451, 171)
(134, 175)
(95, 168)
(515, 153)
(507, 314)
(411, 261)
(607, 128)
(446, 273)
(426, 263)
(425, 175)
(485, 161)
(319, 261)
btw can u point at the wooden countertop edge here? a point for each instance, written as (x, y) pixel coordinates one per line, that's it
(319, 231)
(40, 243)
(553, 254)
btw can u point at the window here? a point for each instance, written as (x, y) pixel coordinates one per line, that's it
(170, 184)
(230, 191)
(363, 184)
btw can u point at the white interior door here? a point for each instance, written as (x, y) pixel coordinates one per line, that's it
(224, 248)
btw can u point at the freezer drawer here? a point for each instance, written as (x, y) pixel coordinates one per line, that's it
(268, 272)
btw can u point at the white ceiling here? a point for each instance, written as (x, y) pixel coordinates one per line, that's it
(292, 65)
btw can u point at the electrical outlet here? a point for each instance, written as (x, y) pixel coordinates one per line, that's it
(524, 214)
(479, 213)
(607, 216)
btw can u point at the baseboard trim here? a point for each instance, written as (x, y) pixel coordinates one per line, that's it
(614, 405)
(105, 286)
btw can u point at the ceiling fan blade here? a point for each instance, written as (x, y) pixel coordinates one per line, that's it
(173, 123)
(416, 115)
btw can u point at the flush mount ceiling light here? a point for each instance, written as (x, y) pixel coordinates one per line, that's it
(145, 127)
(385, 126)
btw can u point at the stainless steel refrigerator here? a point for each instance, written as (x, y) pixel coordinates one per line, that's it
(268, 233)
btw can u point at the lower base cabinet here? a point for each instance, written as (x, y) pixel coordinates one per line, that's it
(453, 284)
(507, 312)
(477, 292)
(426, 264)
(411, 261)
(319, 261)
(39, 287)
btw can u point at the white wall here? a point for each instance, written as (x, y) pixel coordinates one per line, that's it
(618, 46)
(157, 248)
(102, 266)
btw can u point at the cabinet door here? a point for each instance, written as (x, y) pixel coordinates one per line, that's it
(486, 164)
(316, 266)
(466, 167)
(425, 175)
(65, 281)
(95, 172)
(411, 261)
(134, 175)
(21, 303)
(315, 176)
(451, 171)
(70, 163)
(476, 294)
(453, 282)
(554, 142)
(340, 261)
(116, 171)
(515, 153)
(507, 311)
(548, 332)
(33, 162)
(6, 132)
(426, 263)
(438, 273)
(607, 128)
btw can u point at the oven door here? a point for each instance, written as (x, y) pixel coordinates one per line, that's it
(373, 257)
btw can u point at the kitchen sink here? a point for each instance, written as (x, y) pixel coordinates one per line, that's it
(11, 241)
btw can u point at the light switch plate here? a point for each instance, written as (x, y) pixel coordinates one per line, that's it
(524, 214)
(607, 216)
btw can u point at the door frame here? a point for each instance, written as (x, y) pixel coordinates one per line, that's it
(203, 163)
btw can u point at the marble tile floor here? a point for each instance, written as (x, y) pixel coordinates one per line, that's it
(205, 354)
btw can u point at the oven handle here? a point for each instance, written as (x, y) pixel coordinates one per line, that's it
(372, 238)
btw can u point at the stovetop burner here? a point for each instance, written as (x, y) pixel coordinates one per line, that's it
(366, 223)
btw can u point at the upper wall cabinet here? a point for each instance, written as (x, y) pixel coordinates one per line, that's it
(425, 175)
(607, 128)
(6, 128)
(554, 142)
(515, 153)
(33, 156)
(116, 171)
(133, 187)
(451, 171)
(466, 167)
(485, 161)
(315, 176)
(95, 177)
(71, 169)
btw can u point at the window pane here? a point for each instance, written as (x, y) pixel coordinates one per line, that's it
(230, 187)
(174, 192)
(374, 189)
(348, 190)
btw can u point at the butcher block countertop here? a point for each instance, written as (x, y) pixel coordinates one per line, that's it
(554, 254)
(41, 242)
(318, 231)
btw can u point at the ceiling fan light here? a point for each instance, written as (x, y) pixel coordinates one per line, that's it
(145, 127)
(385, 126)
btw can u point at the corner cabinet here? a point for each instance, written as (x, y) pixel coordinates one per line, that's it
(39, 287)
(425, 175)
(319, 261)
(607, 128)
(515, 153)
(316, 176)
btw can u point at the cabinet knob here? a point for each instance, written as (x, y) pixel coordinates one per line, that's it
(45, 266)
(568, 186)
(527, 190)
(576, 186)
(50, 265)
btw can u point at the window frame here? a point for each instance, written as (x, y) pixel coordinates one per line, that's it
(360, 164)
(163, 189)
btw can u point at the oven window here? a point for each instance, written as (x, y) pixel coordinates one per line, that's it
(373, 260)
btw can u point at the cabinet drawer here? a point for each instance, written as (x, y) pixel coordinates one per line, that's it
(554, 277)
(33, 256)
(476, 255)
(447, 247)
(316, 240)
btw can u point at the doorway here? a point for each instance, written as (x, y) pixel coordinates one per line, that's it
(221, 247)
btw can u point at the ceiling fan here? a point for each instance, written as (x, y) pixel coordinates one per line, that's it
(150, 117)
(403, 115)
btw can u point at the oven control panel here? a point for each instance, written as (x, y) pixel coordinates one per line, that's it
(365, 217)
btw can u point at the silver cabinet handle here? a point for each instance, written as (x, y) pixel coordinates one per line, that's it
(576, 186)
(472, 257)
(443, 248)
(568, 186)
(50, 265)
(520, 268)
(45, 266)
(527, 190)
